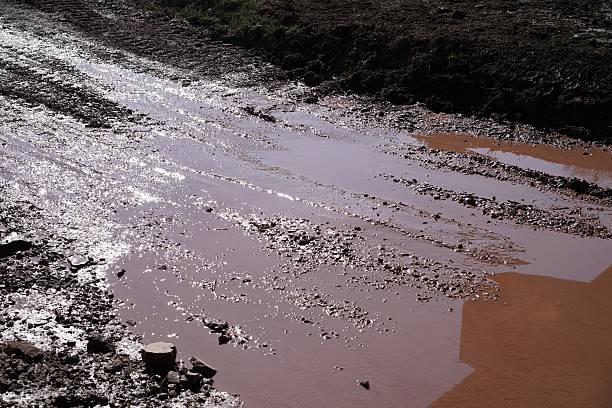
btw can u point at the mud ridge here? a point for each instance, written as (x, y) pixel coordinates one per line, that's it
(540, 61)
(523, 214)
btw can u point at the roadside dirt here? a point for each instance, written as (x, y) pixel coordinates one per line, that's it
(542, 61)
(301, 248)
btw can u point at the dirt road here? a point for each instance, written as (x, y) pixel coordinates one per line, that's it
(313, 253)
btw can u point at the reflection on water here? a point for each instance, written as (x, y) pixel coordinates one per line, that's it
(544, 343)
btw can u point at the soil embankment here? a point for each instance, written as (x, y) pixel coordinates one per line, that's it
(541, 61)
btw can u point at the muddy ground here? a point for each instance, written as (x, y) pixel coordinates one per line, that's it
(546, 62)
(159, 185)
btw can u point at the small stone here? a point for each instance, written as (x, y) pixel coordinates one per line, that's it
(198, 366)
(24, 350)
(364, 383)
(97, 344)
(172, 377)
(159, 356)
(78, 261)
(131, 322)
(194, 381)
(12, 244)
(121, 273)
(223, 339)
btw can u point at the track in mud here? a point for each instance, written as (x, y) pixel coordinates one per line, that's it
(298, 248)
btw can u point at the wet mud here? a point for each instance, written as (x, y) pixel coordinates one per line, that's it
(542, 61)
(312, 253)
(590, 164)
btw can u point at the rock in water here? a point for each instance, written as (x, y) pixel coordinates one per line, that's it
(194, 380)
(159, 357)
(198, 366)
(12, 244)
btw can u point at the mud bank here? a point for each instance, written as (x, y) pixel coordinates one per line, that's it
(545, 62)
(62, 342)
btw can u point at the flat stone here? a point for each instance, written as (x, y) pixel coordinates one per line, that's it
(78, 261)
(24, 350)
(12, 244)
(159, 356)
(198, 366)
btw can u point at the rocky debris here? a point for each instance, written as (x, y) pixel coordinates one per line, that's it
(24, 350)
(159, 357)
(524, 214)
(200, 367)
(260, 114)
(364, 384)
(227, 333)
(12, 244)
(302, 237)
(488, 167)
(75, 357)
(98, 344)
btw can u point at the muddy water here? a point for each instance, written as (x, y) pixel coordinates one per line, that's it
(592, 164)
(291, 232)
(544, 343)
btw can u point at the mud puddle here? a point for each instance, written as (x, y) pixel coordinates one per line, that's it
(280, 241)
(513, 345)
(593, 164)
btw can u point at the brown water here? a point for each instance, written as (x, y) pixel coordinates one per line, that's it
(179, 203)
(592, 164)
(545, 343)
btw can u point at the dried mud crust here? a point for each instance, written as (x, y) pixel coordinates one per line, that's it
(62, 344)
(542, 61)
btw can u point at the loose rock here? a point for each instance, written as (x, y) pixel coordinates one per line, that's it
(198, 366)
(12, 244)
(159, 356)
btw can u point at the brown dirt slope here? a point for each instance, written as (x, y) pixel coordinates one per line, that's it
(542, 61)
